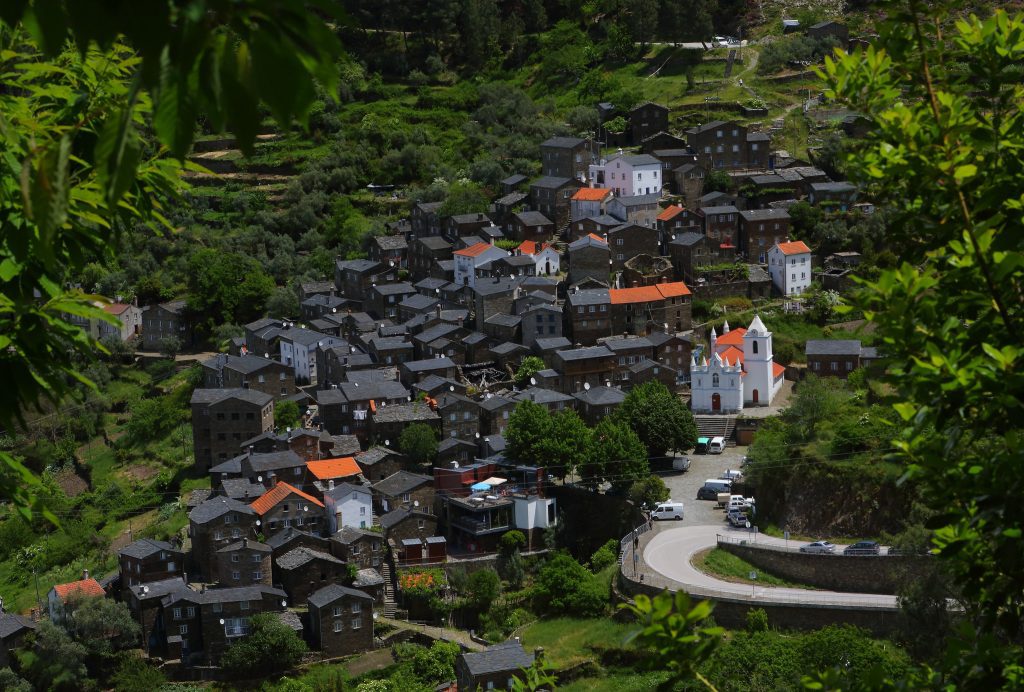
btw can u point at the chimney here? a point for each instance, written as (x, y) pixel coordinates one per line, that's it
(250, 451)
(85, 574)
(330, 484)
(273, 479)
(538, 653)
(245, 541)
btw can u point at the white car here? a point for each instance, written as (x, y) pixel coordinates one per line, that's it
(733, 475)
(821, 547)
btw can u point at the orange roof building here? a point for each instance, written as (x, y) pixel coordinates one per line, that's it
(738, 372)
(474, 250)
(592, 194)
(647, 294)
(285, 505)
(333, 469)
(669, 213)
(796, 247)
(58, 596)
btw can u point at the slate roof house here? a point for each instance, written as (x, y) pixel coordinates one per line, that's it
(340, 620)
(494, 668)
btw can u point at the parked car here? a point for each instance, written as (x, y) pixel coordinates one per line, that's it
(818, 547)
(732, 475)
(863, 548)
(738, 519)
(681, 464)
(668, 510)
(706, 493)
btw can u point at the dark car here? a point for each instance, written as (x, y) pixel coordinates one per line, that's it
(705, 493)
(863, 548)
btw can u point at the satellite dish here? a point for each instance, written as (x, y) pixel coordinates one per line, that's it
(387, 442)
(356, 384)
(284, 604)
(334, 309)
(145, 589)
(305, 508)
(451, 388)
(478, 436)
(259, 479)
(222, 621)
(533, 380)
(408, 398)
(259, 523)
(415, 503)
(586, 386)
(266, 355)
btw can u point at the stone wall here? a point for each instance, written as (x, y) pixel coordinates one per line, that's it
(856, 573)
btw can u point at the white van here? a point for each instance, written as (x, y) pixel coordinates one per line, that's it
(668, 510)
(717, 445)
(719, 485)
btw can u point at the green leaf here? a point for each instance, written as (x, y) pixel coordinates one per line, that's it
(49, 192)
(118, 150)
(964, 172)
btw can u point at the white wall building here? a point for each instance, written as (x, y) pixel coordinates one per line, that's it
(545, 258)
(740, 372)
(789, 265)
(348, 505)
(298, 351)
(468, 259)
(628, 175)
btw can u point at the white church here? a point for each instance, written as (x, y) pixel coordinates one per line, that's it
(741, 371)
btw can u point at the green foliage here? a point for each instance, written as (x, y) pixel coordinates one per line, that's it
(717, 181)
(675, 633)
(419, 442)
(12, 682)
(55, 662)
(616, 455)
(565, 587)
(659, 418)
(795, 47)
(605, 556)
(482, 587)
(226, 287)
(950, 316)
(511, 541)
(436, 664)
(530, 366)
(283, 302)
(464, 197)
(648, 492)
(557, 442)
(154, 417)
(135, 674)
(103, 626)
(757, 620)
(271, 647)
(286, 415)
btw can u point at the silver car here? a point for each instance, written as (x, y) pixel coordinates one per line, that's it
(823, 547)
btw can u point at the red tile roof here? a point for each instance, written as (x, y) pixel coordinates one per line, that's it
(794, 248)
(591, 194)
(598, 238)
(733, 353)
(529, 247)
(671, 212)
(777, 369)
(279, 492)
(116, 308)
(647, 294)
(339, 467)
(474, 250)
(85, 587)
(733, 338)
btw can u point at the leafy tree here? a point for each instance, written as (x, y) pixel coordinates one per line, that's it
(102, 625)
(464, 197)
(227, 287)
(83, 166)
(757, 620)
(170, 347)
(530, 366)
(56, 661)
(283, 303)
(717, 181)
(286, 415)
(419, 442)
(271, 647)
(135, 674)
(817, 399)
(648, 492)
(12, 682)
(437, 663)
(616, 454)
(659, 418)
(605, 556)
(565, 587)
(510, 561)
(482, 587)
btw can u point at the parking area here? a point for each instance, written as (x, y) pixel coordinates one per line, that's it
(683, 486)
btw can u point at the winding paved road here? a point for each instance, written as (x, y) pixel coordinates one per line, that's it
(670, 551)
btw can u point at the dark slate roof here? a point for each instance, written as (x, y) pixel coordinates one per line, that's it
(503, 320)
(418, 301)
(532, 218)
(688, 238)
(639, 200)
(214, 396)
(391, 242)
(435, 242)
(833, 347)
(712, 196)
(144, 547)
(368, 577)
(225, 595)
(401, 482)
(404, 413)
(601, 396)
(550, 182)
(198, 497)
(159, 589)
(495, 402)
(374, 455)
(386, 389)
(436, 332)
(430, 284)
(306, 337)
(539, 395)
(216, 507)
(332, 592)
(590, 296)
(394, 517)
(342, 490)
(648, 365)
(672, 153)
(764, 214)
(626, 343)
(758, 137)
(265, 322)
(272, 461)
(395, 288)
(242, 488)
(349, 534)
(344, 445)
(514, 179)
(303, 555)
(833, 187)
(359, 265)
(282, 538)
(248, 545)
(726, 209)
(489, 287)
(506, 348)
(429, 364)
(563, 142)
(453, 443)
(638, 159)
(553, 343)
(585, 353)
(506, 657)
(11, 623)
(512, 199)
(714, 124)
(588, 241)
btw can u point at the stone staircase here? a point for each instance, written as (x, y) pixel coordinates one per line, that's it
(716, 426)
(389, 590)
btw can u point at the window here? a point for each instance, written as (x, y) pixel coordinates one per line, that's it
(255, 557)
(337, 626)
(297, 471)
(618, 241)
(170, 566)
(357, 623)
(714, 380)
(794, 277)
(707, 150)
(834, 365)
(281, 377)
(235, 557)
(244, 605)
(803, 275)
(218, 535)
(753, 147)
(735, 148)
(619, 256)
(236, 575)
(183, 629)
(362, 511)
(357, 607)
(218, 607)
(421, 524)
(234, 416)
(177, 613)
(754, 347)
(719, 133)
(849, 366)
(284, 507)
(235, 533)
(405, 497)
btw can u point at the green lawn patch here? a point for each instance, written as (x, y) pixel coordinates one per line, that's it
(618, 681)
(727, 566)
(570, 640)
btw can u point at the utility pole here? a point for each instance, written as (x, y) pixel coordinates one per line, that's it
(39, 601)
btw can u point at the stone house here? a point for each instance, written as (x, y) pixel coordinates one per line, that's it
(593, 225)
(298, 347)
(494, 413)
(166, 320)
(345, 408)
(837, 30)
(531, 226)
(648, 308)
(689, 180)
(425, 252)
(492, 297)
(303, 570)
(598, 402)
(841, 195)
(589, 202)
(223, 418)
(340, 621)
(215, 524)
(360, 547)
(425, 220)
(463, 225)
(589, 366)
(587, 314)
(589, 258)
(390, 250)
(721, 225)
(13, 630)
(285, 505)
(565, 157)
(551, 196)
(630, 240)
(672, 349)
(404, 489)
(674, 220)
(244, 563)
(727, 145)
(497, 667)
(353, 278)
(760, 230)
(147, 560)
(540, 321)
(383, 298)
(388, 422)
(377, 463)
(642, 210)
(261, 468)
(647, 119)
(627, 352)
(833, 357)
(129, 325)
(405, 523)
(460, 416)
(249, 371)
(689, 251)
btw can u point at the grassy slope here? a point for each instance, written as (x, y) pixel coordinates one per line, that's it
(732, 568)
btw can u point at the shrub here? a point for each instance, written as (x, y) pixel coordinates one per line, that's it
(605, 556)
(757, 620)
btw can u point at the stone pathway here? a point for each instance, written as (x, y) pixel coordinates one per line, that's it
(443, 633)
